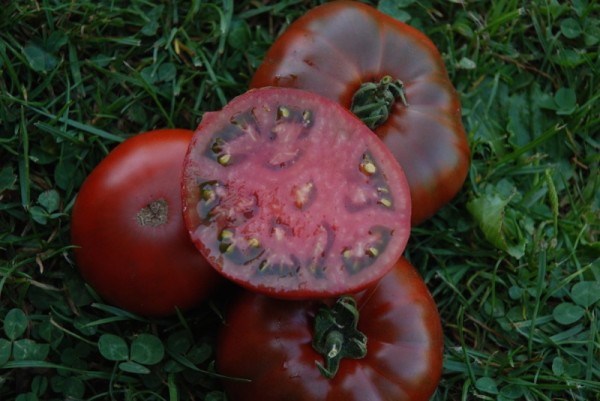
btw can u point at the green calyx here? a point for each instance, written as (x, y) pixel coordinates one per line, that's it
(336, 335)
(373, 101)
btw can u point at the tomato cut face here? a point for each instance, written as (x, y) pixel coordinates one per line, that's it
(287, 193)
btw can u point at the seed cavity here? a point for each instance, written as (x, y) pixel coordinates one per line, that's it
(372, 190)
(226, 241)
(240, 250)
(359, 256)
(210, 198)
(238, 121)
(246, 122)
(324, 236)
(262, 266)
(287, 268)
(241, 132)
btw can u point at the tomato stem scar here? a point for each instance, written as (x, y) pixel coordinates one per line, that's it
(337, 336)
(373, 101)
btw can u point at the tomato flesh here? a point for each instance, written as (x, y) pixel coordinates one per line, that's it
(287, 193)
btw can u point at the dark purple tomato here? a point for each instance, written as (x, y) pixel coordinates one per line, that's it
(385, 343)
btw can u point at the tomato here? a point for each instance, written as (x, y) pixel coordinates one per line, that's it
(389, 74)
(289, 194)
(268, 348)
(131, 244)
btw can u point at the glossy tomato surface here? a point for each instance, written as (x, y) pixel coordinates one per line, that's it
(289, 194)
(269, 343)
(339, 46)
(127, 227)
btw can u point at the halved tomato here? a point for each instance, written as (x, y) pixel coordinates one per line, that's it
(289, 194)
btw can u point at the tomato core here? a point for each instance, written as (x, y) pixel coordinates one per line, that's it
(336, 335)
(373, 101)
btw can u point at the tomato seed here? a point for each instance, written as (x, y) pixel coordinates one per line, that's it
(367, 166)
(282, 112)
(385, 202)
(224, 159)
(225, 234)
(306, 118)
(373, 252)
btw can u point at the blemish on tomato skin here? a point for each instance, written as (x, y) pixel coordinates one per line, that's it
(154, 214)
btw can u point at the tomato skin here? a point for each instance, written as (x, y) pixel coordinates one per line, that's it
(146, 269)
(338, 46)
(268, 341)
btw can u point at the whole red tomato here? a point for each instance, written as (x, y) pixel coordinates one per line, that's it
(391, 76)
(127, 226)
(273, 350)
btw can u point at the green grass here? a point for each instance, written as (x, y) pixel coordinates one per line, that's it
(513, 262)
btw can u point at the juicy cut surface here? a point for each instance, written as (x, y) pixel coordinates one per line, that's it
(287, 193)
